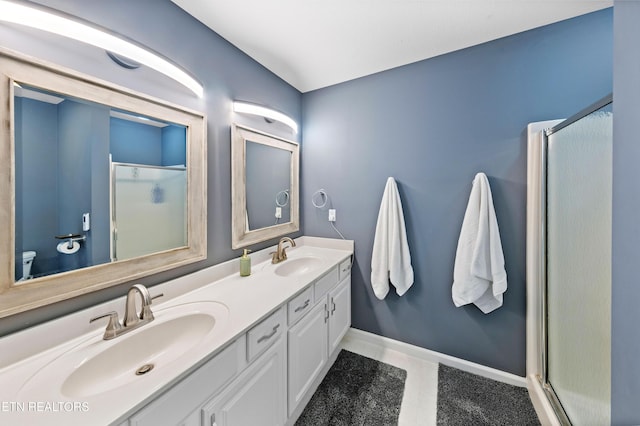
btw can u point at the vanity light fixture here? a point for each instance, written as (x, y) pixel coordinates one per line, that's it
(267, 113)
(46, 20)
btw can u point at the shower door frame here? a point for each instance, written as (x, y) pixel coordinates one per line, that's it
(541, 372)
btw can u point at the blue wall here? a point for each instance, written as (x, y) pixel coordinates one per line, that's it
(174, 149)
(139, 143)
(62, 153)
(135, 143)
(83, 175)
(433, 125)
(625, 336)
(36, 207)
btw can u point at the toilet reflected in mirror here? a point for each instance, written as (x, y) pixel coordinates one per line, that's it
(75, 158)
(27, 261)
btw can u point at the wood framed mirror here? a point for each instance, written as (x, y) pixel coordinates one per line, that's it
(80, 152)
(264, 186)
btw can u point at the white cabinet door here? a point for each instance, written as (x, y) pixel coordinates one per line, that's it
(307, 352)
(256, 397)
(192, 420)
(339, 304)
(175, 407)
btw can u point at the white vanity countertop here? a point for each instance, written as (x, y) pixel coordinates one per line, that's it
(248, 299)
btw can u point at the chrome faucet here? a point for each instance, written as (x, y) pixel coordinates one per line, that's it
(132, 319)
(280, 254)
(131, 316)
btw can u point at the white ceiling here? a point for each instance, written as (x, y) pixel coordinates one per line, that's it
(317, 43)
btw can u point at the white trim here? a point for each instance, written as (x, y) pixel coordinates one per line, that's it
(545, 412)
(432, 356)
(534, 279)
(534, 260)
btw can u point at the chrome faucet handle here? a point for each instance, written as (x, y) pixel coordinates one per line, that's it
(112, 327)
(146, 313)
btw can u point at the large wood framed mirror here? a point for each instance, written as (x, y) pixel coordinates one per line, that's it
(264, 186)
(99, 185)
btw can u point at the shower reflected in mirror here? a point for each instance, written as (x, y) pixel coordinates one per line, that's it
(94, 184)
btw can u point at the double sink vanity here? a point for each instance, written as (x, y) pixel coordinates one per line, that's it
(209, 348)
(221, 349)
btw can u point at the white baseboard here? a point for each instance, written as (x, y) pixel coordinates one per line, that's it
(436, 357)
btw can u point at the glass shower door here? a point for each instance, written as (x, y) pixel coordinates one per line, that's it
(148, 209)
(578, 292)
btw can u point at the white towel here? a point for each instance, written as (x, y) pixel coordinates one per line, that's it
(479, 276)
(391, 259)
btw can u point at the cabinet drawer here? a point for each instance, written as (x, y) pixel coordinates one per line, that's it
(344, 269)
(260, 337)
(326, 283)
(300, 305)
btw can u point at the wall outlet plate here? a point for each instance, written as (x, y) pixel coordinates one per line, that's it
(332, 215)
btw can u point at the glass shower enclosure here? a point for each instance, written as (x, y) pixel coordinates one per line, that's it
(576, 291)
(148, 210)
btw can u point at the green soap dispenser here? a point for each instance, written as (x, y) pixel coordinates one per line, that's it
(245, 264)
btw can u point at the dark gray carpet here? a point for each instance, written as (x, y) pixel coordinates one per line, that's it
(467, 399)
(356, 391)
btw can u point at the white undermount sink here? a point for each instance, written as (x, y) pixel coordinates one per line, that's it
(159, 347)
(298, 266)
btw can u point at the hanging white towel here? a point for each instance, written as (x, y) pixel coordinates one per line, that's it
(479, 276)
(391, 260)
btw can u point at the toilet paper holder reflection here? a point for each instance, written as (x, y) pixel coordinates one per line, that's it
(72, 238)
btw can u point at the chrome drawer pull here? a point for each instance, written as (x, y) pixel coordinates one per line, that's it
(270, 335)
(333, 306)
(299, 308)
